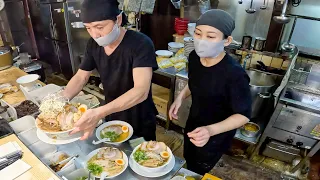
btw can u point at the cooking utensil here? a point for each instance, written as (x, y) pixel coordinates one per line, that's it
(249, 133)
(101, 141)
(251, 10)
(259, 44)
(264, 6)
(282, 19)
(288, 47)
(68, 159)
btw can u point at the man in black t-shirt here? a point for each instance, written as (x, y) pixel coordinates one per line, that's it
(125, 61)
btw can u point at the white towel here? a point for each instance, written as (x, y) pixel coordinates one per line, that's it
(14, 170)
(9, 149)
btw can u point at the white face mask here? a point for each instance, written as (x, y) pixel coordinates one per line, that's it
(208, 49)
(109, 38)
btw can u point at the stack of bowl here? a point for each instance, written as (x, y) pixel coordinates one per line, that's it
(181, 25)
(174, 46)
(191, 28)
(188, 46)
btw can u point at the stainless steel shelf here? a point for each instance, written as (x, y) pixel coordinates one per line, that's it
(162, 117)
(169, 72)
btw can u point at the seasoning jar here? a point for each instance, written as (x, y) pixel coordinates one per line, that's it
(259, 44)
(246, 42)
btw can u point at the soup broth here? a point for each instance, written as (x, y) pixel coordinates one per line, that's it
(115, 133)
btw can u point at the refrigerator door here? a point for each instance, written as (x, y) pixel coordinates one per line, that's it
(54, 31)
(78, 32)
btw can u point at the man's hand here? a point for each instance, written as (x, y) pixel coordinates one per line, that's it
(200, 136)
(87, 123)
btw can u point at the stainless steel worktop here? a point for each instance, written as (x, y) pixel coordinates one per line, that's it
(170, 72)
(83, 148)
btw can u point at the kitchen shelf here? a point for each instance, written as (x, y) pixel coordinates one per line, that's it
(162, 117)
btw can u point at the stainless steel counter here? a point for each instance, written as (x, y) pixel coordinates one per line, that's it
(183, 74)
(170, 72)
(82, 148)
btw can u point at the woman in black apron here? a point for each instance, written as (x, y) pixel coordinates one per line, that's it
(221, 100)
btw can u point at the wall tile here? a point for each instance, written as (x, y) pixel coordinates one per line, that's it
(254, 60)
(285, 65)
(276, 62)
(266, 60)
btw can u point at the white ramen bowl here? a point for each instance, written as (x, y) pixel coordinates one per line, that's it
(56, 135)
(149, 169)
(115, 122)
(93, 153)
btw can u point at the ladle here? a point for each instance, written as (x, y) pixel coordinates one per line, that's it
(264, 6)
(282, 18)
(251, 10)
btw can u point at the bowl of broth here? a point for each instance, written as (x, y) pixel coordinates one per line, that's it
(152, 156)
(117, 131)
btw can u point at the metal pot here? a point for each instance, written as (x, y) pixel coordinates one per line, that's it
(5, 59)
(260, 89)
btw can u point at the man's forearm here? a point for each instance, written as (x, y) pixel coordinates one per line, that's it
(129, 99)
(74, 86)
(233, 122)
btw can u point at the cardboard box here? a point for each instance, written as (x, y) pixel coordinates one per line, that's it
(160, 96)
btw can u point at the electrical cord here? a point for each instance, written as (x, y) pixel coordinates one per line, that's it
(296, 3)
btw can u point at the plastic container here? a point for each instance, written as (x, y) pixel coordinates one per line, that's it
(29, 137)
(23, 124)
(11, 113)
(77, 174)
(41, 149)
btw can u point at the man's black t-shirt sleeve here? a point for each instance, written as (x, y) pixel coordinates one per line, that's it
(88, 63)
(144, 54)
(239, 93)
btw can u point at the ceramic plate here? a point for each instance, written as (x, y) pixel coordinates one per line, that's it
(139, 171)
(44, 138)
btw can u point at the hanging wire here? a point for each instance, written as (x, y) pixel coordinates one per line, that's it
(296, 3)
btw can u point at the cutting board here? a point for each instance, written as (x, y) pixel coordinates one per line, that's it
(10, 76)
(38, 170)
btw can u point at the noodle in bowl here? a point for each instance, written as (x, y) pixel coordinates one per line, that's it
(94, 154)
(56, 135)
(58, 116)
(152, 169)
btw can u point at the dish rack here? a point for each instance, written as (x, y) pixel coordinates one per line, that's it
(300, 72)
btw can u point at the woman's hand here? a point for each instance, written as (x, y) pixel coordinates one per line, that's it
(200, 136)
(87, 123)
(174, 109)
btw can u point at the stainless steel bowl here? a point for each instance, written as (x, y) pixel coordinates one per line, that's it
(248, 133)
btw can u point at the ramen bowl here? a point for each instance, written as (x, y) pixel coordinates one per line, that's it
(112, 123)
(95, 152)
(151, 169)
(56, 135)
